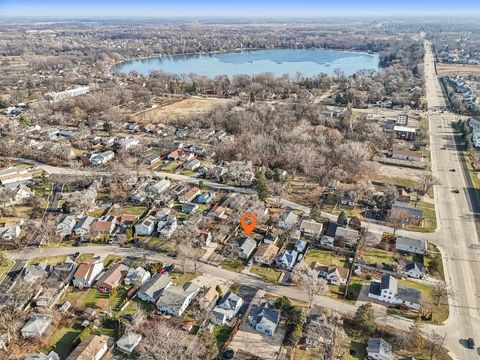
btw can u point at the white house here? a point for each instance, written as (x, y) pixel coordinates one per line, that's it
(83, 226)
(387, 291)
(415, 270)
(102, 158)
(36, 325)
(246, 247)
(126, 144)
(287, 220)
(311, 228)
(264, 318)
(227, 308)
(145, 226)
(417, 246)
(174, 300)
(336, 275)
(167, 225)
(379, 349)
(66, 226)
(136, 276)
(87, 272)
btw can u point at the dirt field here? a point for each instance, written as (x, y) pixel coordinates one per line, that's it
(179, 109)
(399, 175)
(457, 69)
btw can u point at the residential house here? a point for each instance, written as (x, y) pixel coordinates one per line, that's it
(207, 298)
(158, 187)
(94, 347)
(311, 229)
(82, 228)
(127, 143)
(264, 317)
(319, 329)
(415, 215)
(415, 270)
(87, 272)
(227, 308)
(287, 220)
(411, 245)
(105, 225)
(379, 349)
(52, 355)
(406, 155)
(218, 212)
(102, 158)
(112, 277)
(270, 238)
(36, 326)
(36, 273)
(192, 165)
(66, 226)
(246, 247)
(286, 259)
(136, 276)
(167, 225)
(14, 175)
(300, 246)
(126, 221)
(9, 231)
(327, 242)
(205, 197)
(387, 291)
(21, 192)
(189, 208)
(174, 300)
(189, 195)
(145, 226)
(266, 254)
(54, 287)
(336, 275)
(153, 287)
(128, 342)
(346, 237)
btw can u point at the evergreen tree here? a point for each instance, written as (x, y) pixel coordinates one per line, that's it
(342, 219)
(260, 185)
(365, 319)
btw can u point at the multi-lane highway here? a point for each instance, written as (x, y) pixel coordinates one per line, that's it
(456, 233)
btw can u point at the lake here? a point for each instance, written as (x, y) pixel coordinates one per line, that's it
(277, 61)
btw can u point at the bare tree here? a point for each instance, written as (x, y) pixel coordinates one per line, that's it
(309, 280)
(398, 219)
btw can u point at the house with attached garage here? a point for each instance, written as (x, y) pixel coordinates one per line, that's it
(227, 308)
(411, 245)
(388, 291)
(346, 237)
(36, 326)
(82, 228)
(112, 277)
(189, 195)
(264, 317)
(87, 272)
(266, 254)
(153, 287)
(174, 300)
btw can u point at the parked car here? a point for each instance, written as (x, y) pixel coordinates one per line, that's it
(228, 354)
(456, 191)
(452, 170)
(471, 343)
(169, 268)
(75, 256)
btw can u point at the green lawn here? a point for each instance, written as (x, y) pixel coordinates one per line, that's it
(110, 259)
(430, 220)
(221, 334)
(84, 257)
(64, 339)
(96, 213)
(373, 256)
(51, 260)
(323, 257)
(267, 273)
(236, 265)
(180, 278)
(354, 287)
(433, 253)
(172, 166)
(128, 210)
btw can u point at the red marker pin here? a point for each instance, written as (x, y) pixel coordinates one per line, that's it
(250, 225)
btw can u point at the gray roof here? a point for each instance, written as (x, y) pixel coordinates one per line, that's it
(289, 217)
(410, 295)
(230, 301)
(174, 296)
(411, 211)
(52, 355)
(155, 285)
(129, 340)
(247, 245)
(311, 225)
(84, 223)
(375, 288)
(287, 258)
(264, 314)
(411, 242)
(37, 322)
(389, 282)
(379, 346)
(415, 266)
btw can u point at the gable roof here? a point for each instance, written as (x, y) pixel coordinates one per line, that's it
(379, 346)
(175, 296)
(247, 245)
(89, 347)
(85, 269)
(267, 250)
(155, 285)
(114, 274)
(264, 314)
(403, 241)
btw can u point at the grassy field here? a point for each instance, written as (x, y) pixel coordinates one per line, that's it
(128, 210)
(179, 109)
(233, 265)
(355, 287)
(64, 339)
(51, 260)
(373, 256)
(323, 257)
(180, 278)
(267, 273)
(457, 69)
(110, 259)
(221, 334)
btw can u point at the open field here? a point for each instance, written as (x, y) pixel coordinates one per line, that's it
(179, 109)
(398, 175)
(457, 69)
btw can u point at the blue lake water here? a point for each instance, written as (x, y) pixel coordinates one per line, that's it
(276, 61)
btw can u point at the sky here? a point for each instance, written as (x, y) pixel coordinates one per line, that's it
(235, 8)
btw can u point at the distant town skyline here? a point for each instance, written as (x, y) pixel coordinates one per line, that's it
(247, 8)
